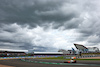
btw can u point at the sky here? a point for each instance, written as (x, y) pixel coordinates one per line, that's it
(49, 25)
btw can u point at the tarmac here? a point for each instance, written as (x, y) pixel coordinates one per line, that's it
(20, 63)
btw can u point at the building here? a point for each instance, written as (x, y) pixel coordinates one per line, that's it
(5, 53)
(93, 49)
(31, 51)
(66, 52)
(83, 49)
(48, 53)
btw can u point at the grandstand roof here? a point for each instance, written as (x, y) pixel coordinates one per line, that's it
(78, 46)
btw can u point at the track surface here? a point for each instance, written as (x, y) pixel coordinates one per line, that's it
(19, 63)
(61, 61)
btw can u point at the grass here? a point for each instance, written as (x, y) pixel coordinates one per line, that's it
(62, 58)
(59, 58)
(88, 59)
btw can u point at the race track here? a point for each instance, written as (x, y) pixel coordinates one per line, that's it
(19, 63)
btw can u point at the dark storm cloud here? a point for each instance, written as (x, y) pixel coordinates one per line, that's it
(12, 35)
(43, 49)
(37, 12)
(26, 46)
(90, 30)
(16, 15)
(8, 28)
(89, 25)
(38, 48)
(7, 40)
(19, 39)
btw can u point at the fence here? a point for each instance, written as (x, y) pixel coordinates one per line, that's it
(27, 57)
(83, 56)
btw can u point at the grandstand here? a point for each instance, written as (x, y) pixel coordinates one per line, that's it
(6, 53)
(83, 49)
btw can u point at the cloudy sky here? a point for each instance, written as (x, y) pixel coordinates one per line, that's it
(49, 25)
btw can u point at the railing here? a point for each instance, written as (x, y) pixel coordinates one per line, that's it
(27, 57)
(83, 56)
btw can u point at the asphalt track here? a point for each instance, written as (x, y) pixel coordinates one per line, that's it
(20, 63)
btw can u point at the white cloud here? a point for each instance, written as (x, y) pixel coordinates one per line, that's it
(52, 38)
(58, 23)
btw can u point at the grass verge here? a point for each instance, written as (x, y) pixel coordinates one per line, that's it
(63, 58)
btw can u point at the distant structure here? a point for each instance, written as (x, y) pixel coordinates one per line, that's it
(48, 53)
(5, 53)
(93, 49)
(66, 52)
(83, 49)
(31, 51)
(73, 50)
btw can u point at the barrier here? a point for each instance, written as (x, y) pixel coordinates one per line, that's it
(26, 57)
(85, 56)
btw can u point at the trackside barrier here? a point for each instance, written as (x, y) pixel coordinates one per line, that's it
(26, 57)
(84, 56)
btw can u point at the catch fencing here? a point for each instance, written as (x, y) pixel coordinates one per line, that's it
(26, 57)
(83, 56)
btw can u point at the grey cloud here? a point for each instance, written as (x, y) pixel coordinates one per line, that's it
(83, 16)
(26, 46)
(9, 28)
(90, 29)
(38, 48)
(20, 40)
(89, 26)
(44, 49)
(7, 40)
(11, 36)
(36, 12)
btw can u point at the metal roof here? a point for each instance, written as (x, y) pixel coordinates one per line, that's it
(78, 46)
(48, 52)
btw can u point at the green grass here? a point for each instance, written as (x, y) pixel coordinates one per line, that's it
(88, 59)
(63, 58)
(60, 58)
(55, 58)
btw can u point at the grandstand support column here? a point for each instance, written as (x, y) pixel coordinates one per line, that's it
(80, 53)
